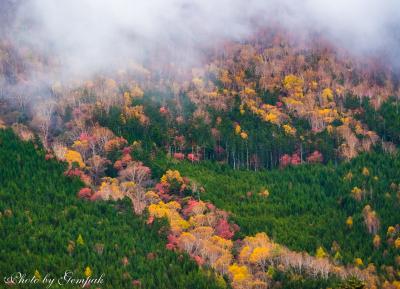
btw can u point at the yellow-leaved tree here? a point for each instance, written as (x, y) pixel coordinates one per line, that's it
(294, 85)
(320, 253)
(349, 222)
(80, 241)
(327, 94)
(88, 272)
(260, 257)
(37, 275)
(74, 157)
(239, 273)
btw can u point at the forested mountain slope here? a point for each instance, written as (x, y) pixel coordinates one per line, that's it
(307, 207)
(45, 228)
(269, 161)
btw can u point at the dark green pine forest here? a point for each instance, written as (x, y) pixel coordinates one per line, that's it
(307, 206)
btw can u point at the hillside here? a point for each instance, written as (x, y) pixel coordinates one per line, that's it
(307, 207)
(200, 144)
(42, 220)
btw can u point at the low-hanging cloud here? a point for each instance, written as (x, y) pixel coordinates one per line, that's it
(93, 35)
